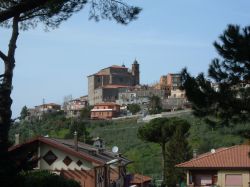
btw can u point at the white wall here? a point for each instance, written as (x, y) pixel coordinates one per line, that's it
(58, 164)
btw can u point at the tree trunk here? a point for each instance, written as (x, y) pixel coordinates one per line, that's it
(6, 171)
(163, 148)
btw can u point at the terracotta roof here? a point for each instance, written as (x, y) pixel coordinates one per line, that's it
(237, 156)
(116, 86)
(140, 179)
(85, 151)
(49, 104)
(118, 67)
(106, 104)
(102, 73)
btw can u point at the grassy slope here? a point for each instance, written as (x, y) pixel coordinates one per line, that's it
(146, 156)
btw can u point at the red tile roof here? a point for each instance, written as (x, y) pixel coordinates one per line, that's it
(118, 67)
(107, 104)
(233, 157)
(102, 73)
(84, 150)
(116, 86)
(140, 179)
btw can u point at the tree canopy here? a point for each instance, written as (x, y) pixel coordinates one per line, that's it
(25, 14)
(225, 94)
(154, 105)
(53, 12)
(161, 131)
(134, 108)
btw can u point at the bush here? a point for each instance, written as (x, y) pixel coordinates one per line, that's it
(44, 179)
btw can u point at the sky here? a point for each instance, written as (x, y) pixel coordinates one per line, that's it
(168, 36)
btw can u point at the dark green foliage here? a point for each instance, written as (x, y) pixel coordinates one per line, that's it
(230, 73)
(44, 179)
(154, 105)
(54, 125)
(81, 128)
(53, 12)
(85, 113)
(177, 151)
(24, 113)
(161, 131)
(134, 108)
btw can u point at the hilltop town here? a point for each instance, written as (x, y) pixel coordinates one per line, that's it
(116, 91)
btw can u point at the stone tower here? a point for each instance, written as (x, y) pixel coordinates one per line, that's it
(136, 72)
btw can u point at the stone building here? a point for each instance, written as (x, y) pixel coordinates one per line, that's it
(105, 85)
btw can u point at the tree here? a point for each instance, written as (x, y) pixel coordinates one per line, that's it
(177, 152)
(25, 14)
(24, 113)
(160, 131)
(134, 108)
(82, 132)
(154, 105)
(85, 113)
(230, 73)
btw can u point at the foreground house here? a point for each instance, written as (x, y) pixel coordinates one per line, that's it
(90, 166)
(224, 167)
(138, 180)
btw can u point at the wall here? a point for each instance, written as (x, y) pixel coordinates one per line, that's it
(58, 164)
(222, 177)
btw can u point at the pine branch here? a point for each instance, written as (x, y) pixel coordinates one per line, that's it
(3, 56)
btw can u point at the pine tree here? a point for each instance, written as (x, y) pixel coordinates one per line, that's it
(178, 151)
(226, 94)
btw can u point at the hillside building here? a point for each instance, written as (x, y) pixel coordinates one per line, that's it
(105, 111)
(105, 85)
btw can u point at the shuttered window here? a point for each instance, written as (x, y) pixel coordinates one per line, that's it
(234, 180)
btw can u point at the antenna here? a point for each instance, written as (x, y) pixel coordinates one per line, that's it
(115, 149)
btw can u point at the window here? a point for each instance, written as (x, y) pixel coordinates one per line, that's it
(67, 160)
(50, 157)
(233, 180)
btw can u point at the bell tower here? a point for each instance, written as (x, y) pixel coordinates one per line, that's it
(136, 73)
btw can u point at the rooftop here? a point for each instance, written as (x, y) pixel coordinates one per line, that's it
(85, 151)
(237, 156)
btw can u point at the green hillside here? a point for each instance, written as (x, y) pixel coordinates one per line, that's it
(146, 157)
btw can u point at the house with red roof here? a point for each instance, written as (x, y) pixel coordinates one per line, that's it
(89, 165)
(224, 167)
(138, 180)
(105, 111)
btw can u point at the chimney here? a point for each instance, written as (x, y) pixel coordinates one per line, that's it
(75, 141)
(16, 139)
(195, 153)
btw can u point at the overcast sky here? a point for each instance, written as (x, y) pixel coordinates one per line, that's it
(168, 36)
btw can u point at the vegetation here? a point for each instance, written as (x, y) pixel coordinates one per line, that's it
(134, 108)
(230, 74)
(24, 113)
(146, 156)
(154, 105)
(25, 14)
(177, 151)
(161, 131)
(44, 178)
